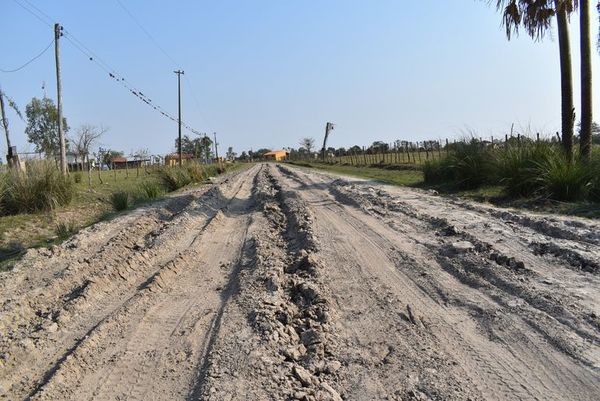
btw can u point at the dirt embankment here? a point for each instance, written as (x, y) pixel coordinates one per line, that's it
(281, 283)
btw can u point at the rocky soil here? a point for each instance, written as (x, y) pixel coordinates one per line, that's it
(280, 283)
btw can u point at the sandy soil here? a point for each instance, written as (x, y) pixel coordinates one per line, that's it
(279, 283)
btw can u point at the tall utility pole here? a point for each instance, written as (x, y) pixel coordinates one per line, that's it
(179, 72)
(216, 147)
(328, 127)
(61, 134)
(4, 121)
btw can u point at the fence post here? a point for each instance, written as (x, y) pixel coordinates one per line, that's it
(364, 155)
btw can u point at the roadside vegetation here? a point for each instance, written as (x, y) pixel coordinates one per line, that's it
(39, 207)
(518, 172)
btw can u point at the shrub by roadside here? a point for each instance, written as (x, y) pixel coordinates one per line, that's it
(523, 168)
(40, 187)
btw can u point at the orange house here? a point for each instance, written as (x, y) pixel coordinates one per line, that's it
(173, 158)
(276, 155)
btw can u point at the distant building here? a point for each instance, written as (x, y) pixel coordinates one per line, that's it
(173, 158)
(276, 155)
(121, 162)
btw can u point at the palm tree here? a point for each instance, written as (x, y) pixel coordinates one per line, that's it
(585, 134)
(536, 18)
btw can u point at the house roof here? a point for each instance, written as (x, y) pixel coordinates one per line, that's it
(176, 156)
(119, 159)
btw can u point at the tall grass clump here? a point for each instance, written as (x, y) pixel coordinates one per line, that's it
(174, 178)
(466, 167)
(517, 165)
(196, 171)
(119, 200)
(593, 186)
(41, 187)
(65, 229)
(150, 189)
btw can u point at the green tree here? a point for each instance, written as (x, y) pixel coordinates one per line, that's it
(42, 126)
(536, 18)
(187, 145)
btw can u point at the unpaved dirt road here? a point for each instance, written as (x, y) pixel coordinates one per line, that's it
(278, 283)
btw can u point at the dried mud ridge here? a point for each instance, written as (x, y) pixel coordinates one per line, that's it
(279, 283)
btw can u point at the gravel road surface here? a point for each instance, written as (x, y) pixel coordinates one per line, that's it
(281, 283)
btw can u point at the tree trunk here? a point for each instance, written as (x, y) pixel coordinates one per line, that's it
(566, 79)
(585, 138)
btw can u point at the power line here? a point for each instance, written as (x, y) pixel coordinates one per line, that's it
(36, 15)
(79, 45)
(163, 51)
(48, 18)
(154, 41)
(30, 61)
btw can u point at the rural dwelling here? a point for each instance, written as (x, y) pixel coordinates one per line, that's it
(173, 158)
(276, 155)
(122, 162)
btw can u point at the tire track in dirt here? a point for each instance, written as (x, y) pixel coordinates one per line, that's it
(130, 340)
(116, 284)
(480, 304)
(280, 283)
(278, 342)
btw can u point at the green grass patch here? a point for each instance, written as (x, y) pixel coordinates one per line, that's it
(394, 177)
(120, 200)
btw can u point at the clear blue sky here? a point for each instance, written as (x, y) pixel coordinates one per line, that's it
(265, 73)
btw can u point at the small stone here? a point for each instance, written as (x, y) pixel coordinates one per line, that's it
(333, 366)
(302, 375)
(311, 336)
(52, 328)
(462, 246)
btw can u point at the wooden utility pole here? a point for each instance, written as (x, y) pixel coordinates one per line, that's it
(5, 126)
(328, 127)
(61, 133)
(179, 72)
(216, 147)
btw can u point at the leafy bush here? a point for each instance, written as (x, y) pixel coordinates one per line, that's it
(40, 188)
(119, 200)
(150, 189)
(77, 177)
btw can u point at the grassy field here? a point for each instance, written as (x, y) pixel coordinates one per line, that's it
(90, 204)
(394, 177)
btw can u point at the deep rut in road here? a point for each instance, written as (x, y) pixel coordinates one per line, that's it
(282, 283)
